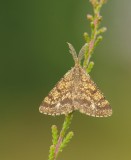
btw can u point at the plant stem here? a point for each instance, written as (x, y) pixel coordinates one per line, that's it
(61, 141)
(65, 127)
(93, 39)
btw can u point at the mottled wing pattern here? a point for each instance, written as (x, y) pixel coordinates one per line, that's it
(59, 100)
(89, 99)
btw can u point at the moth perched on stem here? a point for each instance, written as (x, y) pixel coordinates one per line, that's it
(76, 91)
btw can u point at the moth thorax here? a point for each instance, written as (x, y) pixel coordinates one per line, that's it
(76, 73)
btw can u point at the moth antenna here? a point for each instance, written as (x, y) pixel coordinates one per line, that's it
(82, 52)
(73, 52)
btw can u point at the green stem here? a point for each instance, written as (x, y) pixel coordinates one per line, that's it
(58, 141)
(95, 31)
(61, 140)
(65, 127)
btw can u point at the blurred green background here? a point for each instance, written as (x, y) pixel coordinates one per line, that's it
(34, 56)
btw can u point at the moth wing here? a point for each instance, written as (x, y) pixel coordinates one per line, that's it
(89, 99)
(59, 99)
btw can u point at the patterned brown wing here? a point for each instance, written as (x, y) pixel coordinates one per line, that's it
(59, 100)
(89, 99)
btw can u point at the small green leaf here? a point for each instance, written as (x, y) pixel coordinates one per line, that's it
(101, 30)
(51, 152)
(90, 66)
(90, 17)
(94, 3)
(66, 140)
(54, 134)
(66, 124)
(86, 37)
(98, 40)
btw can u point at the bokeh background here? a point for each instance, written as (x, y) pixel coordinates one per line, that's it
(34, 56)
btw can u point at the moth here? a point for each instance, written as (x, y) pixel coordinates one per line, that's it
(76, 91)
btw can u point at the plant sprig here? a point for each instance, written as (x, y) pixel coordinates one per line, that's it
(95, 37)
(63, 138)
